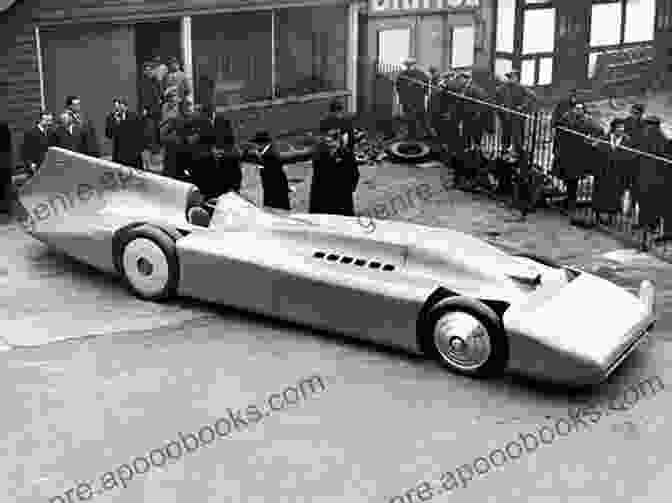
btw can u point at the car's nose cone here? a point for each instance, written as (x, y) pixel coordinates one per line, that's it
(581, 331)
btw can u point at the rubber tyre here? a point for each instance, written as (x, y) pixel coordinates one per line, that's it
(498, 360)
(396, 151)
(540, 260)
(157, 248)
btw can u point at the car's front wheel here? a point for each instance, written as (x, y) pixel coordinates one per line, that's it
(148, 263)
(467, 337)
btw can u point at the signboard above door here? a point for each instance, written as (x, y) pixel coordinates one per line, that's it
(385, 6)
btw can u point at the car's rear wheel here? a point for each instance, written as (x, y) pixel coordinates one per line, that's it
(148, 263)
(467, 337)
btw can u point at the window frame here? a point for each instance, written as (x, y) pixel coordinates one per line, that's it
(536, 56)
(624, 20)
(273, 49)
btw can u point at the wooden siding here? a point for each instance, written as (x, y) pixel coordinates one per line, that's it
(19, 75)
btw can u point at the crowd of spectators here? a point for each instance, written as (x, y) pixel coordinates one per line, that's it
(628, 162)
(197, 144)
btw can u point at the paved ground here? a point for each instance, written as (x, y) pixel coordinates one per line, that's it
(135, 374)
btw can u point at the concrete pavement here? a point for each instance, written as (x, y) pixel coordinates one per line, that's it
(134, 374)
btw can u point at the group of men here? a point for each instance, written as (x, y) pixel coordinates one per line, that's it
(72, 131)
(633, 157)
(458, 111)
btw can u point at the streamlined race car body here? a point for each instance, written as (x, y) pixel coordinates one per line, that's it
(475, 308)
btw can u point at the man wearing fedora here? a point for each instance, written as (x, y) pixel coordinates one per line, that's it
(273, 178)
(412, 85)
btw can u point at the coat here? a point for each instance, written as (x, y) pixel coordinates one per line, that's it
(63, 138)
(611, 177)
(6, 166)
(334, 181)
(150, 97)
(576, 157)
(412, 85)
(127, 137)
(274, 180)
(650, 189)
(85, 137)
(35, 145)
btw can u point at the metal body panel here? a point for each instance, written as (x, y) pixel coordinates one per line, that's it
(332, 272)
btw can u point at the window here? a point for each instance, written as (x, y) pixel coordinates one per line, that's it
(463, 46)
(506, 15)
(545, 71)
(538, 31)
(394, 46)
(503, 66)
(233, 52)
(622, 22)
(640, 17)
(311, 50)
(527, 72)
(605, 24)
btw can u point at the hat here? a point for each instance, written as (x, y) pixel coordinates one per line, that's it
(262, 138)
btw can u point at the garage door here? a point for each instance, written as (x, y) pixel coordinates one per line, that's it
(95, 62)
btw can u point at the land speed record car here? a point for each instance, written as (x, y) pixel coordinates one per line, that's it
(475, 308)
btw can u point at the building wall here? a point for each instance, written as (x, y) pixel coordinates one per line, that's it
(20, 93)
(19, 74)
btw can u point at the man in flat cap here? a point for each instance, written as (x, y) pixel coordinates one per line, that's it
(613, 172)
(514, 96)
(177, 89)
(650, 181)
(634, 123)
(412, 85)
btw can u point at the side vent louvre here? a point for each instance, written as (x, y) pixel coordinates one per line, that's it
(360, 262)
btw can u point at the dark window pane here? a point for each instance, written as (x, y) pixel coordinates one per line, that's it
(311, 49)
(233, 57)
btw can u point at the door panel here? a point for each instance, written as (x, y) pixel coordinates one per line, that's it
(94, 62)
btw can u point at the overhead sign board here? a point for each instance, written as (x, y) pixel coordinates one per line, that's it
(410, 5)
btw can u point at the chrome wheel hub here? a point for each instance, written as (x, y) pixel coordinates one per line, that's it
(462, 340)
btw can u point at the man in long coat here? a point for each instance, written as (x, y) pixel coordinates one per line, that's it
(125, 128)
(513, 95)
(6, 167)
(36, 142)
(335, 175)
(650, 190)
(612, 172)
(274, 181)
(574, 152)
(412, 86)
(82, 128)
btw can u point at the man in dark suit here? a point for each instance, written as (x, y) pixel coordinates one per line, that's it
(82, 128)
(5, 167)
(64, 133)
(36, 141)
(150, 105)
(125, 128)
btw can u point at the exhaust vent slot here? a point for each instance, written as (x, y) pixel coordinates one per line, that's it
(359, 262)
